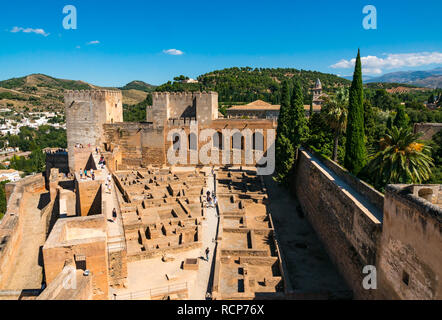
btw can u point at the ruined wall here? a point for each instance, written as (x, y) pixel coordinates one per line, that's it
(11, 226)
(72, 238)
(82, 289)
(88, 197)
(410, 253)
(349, 233)
(86, 112)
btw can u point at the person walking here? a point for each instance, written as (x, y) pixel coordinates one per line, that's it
(81, 173)
(114, 214)
(207, 253)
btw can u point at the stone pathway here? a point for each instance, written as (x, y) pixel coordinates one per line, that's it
(210, 227)
(307, 264)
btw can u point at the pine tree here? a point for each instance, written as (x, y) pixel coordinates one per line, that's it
(298, 121)
(400, 121)
(355, 151)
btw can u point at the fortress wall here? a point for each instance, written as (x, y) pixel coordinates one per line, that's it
(410, 246)
(86, 112)
(11, 226)
(139, 144)
(349, 235)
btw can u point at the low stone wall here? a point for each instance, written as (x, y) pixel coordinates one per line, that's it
(349, 232)
(160, 252)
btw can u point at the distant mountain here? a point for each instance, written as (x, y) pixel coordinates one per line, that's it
(428, 79)
(139, 85)
(45, 93)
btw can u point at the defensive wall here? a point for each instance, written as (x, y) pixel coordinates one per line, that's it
(399, 233)
(11, 226)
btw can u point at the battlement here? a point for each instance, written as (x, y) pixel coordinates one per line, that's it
(183, 95)
(91, 94)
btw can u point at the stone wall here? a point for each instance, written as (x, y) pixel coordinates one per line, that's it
(11, 226)
(86, 112)
(79, 239)
(349, 232)
(88, 197)
(410, 253)
(134, 145)
(202, 106)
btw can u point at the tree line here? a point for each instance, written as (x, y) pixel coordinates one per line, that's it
(367, 132)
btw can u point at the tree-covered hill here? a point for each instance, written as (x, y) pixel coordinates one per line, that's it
(139, 85)
(247, 84)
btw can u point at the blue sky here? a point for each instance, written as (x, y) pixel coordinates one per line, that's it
(132, 37)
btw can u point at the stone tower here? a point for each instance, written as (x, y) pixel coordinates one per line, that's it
(86, 112)
(200, 106)
(317, 93)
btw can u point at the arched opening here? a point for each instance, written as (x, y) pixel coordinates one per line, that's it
(176, 141)
(258, 141)
(237, 140)
(192, 141)
(218, 140)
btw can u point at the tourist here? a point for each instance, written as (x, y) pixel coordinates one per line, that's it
(93, 175)
(85, 173)
(207, 253)
(215, 201)
(114, 214)
(81, 173)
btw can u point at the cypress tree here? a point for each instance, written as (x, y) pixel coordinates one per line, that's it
(299, 127)
(400, 121)
(284, 151)
(355, 151)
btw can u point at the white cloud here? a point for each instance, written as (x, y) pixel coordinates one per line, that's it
(173, 52)
(29, 30)
(93, 42)
(376, 65)
(77, 47)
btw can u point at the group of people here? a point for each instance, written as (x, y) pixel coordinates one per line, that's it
(85, 174)
(211, 199)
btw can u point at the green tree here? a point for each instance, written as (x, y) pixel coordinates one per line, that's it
(370, 127)
(335, 113)
(284, 151)
(2, 198)
(401, 158)
(355, 151)
(285, 158)
(298, 122)
(400, 120)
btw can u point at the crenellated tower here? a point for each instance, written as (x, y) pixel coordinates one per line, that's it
(86, 112)
(201, 106)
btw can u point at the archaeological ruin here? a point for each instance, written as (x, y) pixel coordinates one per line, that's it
(176, 207)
